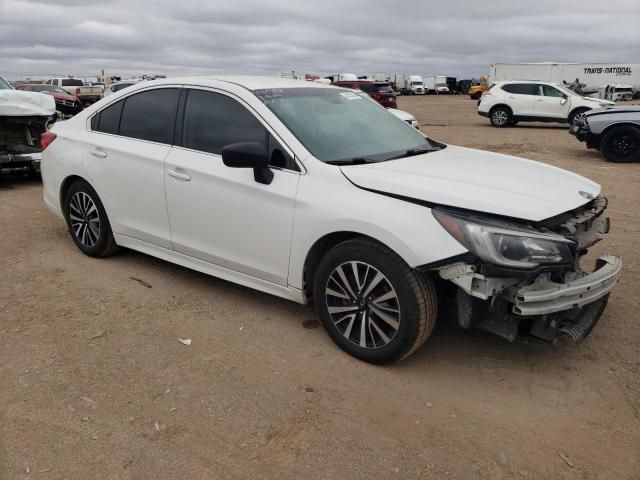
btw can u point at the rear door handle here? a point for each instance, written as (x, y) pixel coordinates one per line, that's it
(98, 152)
(180, 175)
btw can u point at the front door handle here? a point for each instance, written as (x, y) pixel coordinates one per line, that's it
(98, 152)
(540, 100)
(180, 175)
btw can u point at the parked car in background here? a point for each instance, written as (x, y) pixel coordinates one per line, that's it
(507, 103)
(24, 117)
(115, 87)
(381, 92)
(405, 117)
(76, 87)
(308, 191)
(65, 103)
(613, 131)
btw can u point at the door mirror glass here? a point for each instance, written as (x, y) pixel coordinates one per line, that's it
(563, 100)
(249, 155)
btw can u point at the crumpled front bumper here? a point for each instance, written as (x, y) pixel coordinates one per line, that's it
(546, 297)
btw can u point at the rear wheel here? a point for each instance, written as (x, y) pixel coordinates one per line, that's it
(621, 144)
(500, 117)
(372, 304)
(87, 221)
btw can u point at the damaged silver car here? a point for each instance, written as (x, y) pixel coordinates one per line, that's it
(24, 116)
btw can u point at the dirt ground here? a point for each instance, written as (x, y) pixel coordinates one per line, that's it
(95, 384)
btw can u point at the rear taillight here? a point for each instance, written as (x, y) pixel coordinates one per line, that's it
(78, 91)
(486, 93)
(46, 139)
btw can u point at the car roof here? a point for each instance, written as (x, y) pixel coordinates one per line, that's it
(528, 81)
(246, 81)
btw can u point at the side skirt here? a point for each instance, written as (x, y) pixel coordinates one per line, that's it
(289, 293)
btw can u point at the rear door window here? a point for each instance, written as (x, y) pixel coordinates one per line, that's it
(213, 120)
(522, 88)
(150, 115)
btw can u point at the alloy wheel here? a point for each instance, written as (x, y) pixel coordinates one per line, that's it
(84, 219)
(623, 145)
(363, 304)
(500, 117)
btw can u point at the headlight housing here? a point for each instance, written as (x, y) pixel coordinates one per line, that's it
(504, 244)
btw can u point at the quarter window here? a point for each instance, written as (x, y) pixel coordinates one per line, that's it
(150, 115)
(212, 120)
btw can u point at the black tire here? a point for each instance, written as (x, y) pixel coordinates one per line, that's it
(96, 241)
(621, 144)
(573, 115)
(500, 117)
(415, 301)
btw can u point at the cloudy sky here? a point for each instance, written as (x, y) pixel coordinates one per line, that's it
(456, 38)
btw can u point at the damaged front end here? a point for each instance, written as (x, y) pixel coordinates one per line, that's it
(525, 280)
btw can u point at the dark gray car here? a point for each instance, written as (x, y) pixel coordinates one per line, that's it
(615, 131)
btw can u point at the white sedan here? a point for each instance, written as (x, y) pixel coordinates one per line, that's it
(311, 192)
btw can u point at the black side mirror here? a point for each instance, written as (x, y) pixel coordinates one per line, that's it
(249, 155)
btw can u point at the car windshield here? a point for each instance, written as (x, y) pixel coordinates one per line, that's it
(340, 126)
(72, 82)
(4, 85)
(416, 83)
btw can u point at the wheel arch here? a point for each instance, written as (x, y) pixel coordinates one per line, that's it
(504, 105)
(66, 184)
(319, 249)
(610, 127)
(577, 110)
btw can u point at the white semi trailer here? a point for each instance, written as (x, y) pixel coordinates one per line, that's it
(593, 75)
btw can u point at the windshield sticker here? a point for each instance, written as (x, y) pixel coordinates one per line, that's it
(351, 96)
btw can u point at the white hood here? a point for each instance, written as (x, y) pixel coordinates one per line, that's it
(18, 103)
(478, 180)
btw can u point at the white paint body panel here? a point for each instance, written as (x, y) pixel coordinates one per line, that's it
(221, 222)
(476, 180)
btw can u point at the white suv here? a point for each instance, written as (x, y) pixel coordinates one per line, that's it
(312, 192)
(507, 103)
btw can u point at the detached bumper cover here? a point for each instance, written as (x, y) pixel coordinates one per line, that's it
(549, 297)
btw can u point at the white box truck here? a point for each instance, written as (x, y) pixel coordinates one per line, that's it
(593, 75)
(437, 84)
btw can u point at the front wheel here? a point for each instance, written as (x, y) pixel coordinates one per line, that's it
(621, 144)
(577, 115)
(372, 304)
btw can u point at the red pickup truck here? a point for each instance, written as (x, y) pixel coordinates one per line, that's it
(381, 92)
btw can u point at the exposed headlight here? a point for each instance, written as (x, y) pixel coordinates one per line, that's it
(504, 244)
(414, 123)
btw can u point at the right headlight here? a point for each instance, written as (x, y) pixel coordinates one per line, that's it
(504, 244)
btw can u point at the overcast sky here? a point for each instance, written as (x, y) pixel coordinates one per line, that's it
(456, 38)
